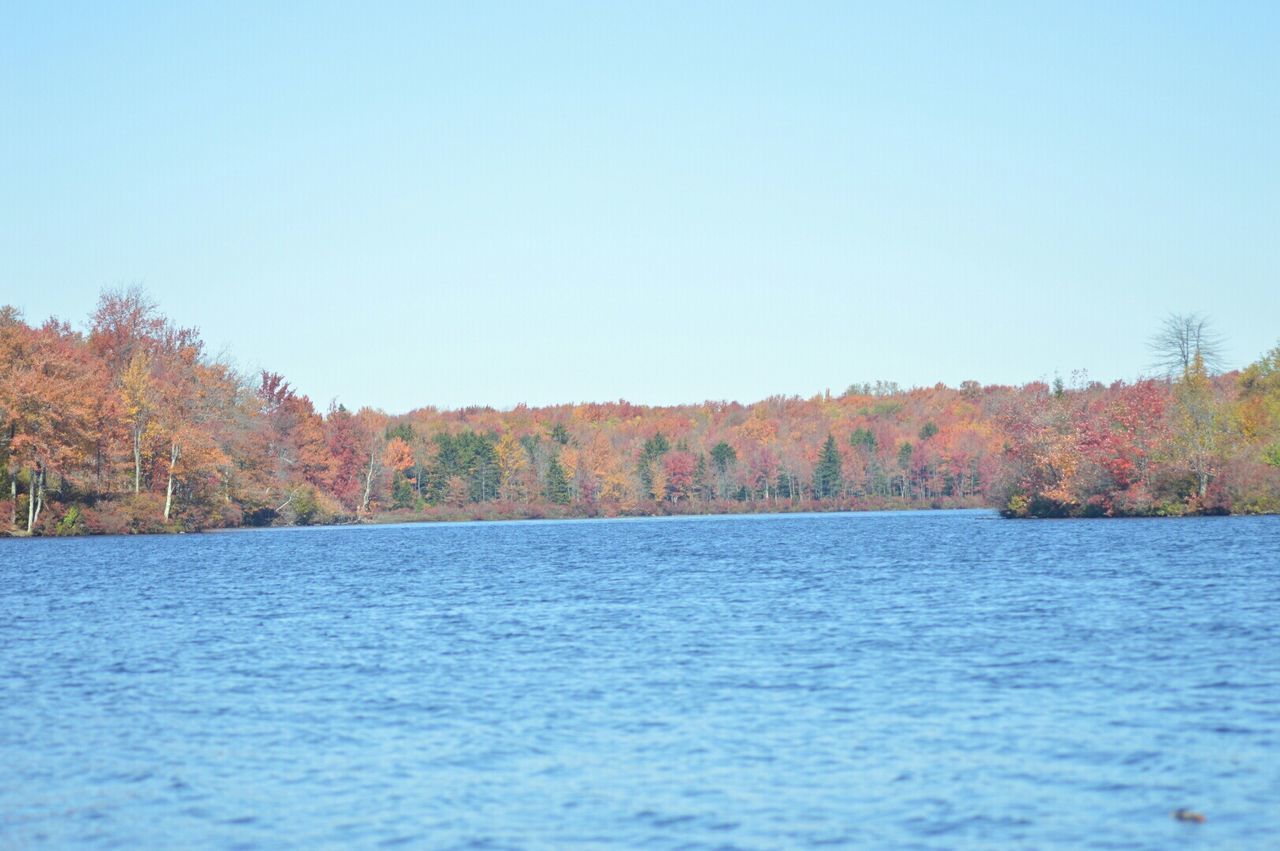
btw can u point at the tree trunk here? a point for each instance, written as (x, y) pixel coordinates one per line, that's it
(33, 477)
(39, 493)
(368, 482)
(174, 453)
(137, 461)
(13, 496)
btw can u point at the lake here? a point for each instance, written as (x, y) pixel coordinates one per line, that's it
(909, 680)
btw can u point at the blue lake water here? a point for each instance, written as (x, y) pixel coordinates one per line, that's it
(908, 680)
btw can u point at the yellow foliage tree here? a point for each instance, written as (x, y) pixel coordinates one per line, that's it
(512, 461)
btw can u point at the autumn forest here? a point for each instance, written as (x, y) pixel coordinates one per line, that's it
(128, 425)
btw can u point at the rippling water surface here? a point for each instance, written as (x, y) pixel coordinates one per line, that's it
(930, 680)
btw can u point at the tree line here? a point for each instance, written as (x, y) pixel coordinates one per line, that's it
(128, 425)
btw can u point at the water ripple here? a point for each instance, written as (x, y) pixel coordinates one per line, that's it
(914, 680)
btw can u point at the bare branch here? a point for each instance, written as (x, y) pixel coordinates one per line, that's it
(1180, 338)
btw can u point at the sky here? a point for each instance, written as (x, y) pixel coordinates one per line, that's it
(414, 204)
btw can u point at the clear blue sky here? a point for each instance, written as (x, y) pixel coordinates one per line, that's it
(399, 205)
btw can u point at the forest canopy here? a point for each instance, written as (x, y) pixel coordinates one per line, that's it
(128, 425)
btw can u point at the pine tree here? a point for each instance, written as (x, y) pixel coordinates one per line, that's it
(557, 489)
(828, 476)
(654, 448)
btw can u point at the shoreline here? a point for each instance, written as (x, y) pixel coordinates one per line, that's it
(406, 518)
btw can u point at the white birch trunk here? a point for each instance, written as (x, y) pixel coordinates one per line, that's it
(39, 493)
(368, 482)
(35, 492)
(174, 453)
(31, 502)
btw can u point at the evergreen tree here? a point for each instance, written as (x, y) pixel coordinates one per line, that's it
(828, 476)
(404, 431)
(470, 456)
(402, 493)
(723, 456)
(654, 448)
(557, 489)
(700, 485)
(863, 438)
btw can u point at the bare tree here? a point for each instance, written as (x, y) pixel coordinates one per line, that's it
(1181, 338)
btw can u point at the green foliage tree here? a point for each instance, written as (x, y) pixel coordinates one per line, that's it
(403, 494)
(653, 450)
(71, 522)
(723, 458)
(828, 476)
(905, 453)
(469, 456)
(863, 439)
(557, 488)
(402, 430)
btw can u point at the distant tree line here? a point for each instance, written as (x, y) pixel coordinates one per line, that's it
(128, 425)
